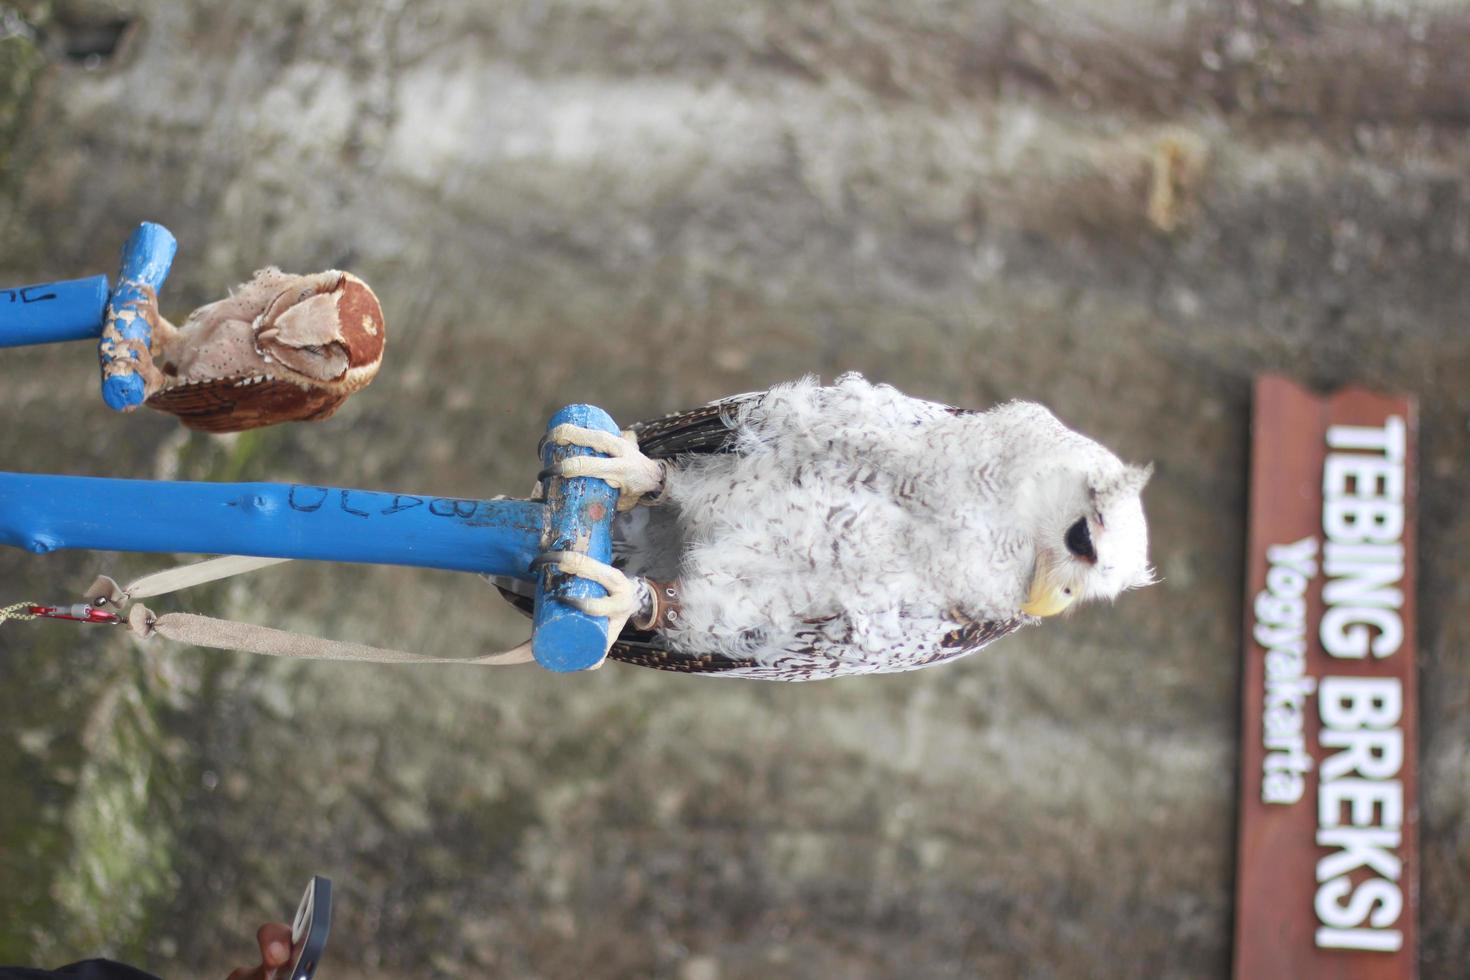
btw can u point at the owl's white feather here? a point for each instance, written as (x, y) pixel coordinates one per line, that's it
(855, 529)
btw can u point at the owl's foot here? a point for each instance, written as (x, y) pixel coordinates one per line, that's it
(626, 596)
(634, 475)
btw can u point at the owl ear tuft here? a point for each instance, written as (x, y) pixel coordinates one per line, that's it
(1135, 478)
(1129, 483)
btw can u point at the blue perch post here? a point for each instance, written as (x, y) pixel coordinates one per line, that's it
(580, 512)
(78, 309)
(147, 256)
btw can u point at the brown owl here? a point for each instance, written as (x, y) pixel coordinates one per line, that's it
(280, 348)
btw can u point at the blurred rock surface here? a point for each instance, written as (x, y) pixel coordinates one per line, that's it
(1124, 211)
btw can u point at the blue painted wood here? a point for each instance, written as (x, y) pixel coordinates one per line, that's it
(43, 513)
(580, 513)
(49, 312)
(147, 257)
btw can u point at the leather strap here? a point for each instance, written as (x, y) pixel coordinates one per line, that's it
(225, 634)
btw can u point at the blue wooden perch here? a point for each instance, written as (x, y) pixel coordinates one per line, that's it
(85, 309)
(147, 256)
(52, 311)
(496, 537)
(580, 519)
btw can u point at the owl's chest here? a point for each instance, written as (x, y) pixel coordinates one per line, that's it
(883, 527)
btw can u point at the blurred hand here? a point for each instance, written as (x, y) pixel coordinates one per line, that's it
(274, 939)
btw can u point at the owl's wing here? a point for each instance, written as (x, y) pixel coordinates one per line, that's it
(707, 429)
(820, 648)
(701, 430)
(840, 644)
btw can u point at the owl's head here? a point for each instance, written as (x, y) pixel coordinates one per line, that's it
(1091, 536)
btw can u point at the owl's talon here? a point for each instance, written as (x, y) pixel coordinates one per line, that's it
(583, 566)
(624, 467)
(605, 607)
(623, 594)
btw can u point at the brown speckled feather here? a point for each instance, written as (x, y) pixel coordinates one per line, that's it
(703, 430)
(805, 661)
(661, 658)
(235, 408)
(971, 636)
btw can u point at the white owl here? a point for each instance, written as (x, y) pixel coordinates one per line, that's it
(808, 532)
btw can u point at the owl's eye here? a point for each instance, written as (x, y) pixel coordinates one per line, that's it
(1079, 541)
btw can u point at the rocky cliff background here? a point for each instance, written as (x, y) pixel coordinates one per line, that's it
(1123, 210)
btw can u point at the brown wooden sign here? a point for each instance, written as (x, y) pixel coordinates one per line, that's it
(1328, 863)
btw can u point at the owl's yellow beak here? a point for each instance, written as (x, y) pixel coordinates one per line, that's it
(1048, 596)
